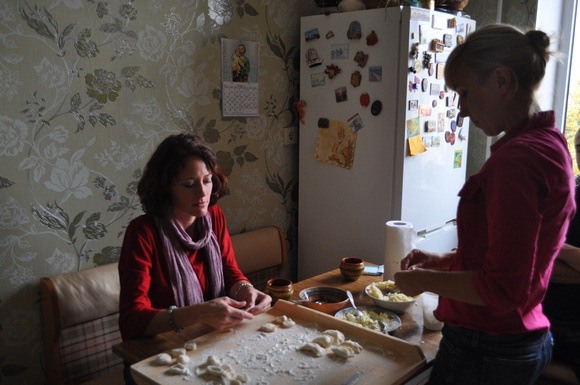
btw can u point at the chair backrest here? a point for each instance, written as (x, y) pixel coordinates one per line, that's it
(261, 254)
(80, 324)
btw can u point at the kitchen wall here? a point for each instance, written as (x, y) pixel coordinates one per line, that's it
(89, 88)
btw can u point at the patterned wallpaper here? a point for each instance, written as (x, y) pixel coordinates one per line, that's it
(88, 88)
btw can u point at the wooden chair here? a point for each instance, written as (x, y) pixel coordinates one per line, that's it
(261, 254)
(80, 325)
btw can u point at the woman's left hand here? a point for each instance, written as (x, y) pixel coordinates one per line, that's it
(256, 301)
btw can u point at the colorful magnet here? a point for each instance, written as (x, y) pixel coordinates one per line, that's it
(365, 100)
(451, 113)
(341, 94)
(375, 74)
(329, 34)
(332, 70)
(418, 65)
(453, 126)
(434, 103)
(354, 31)
(312, 58)
(376, 107)
(372, 38)
(414, 54)
(413, 105)
(311, 34)
(437, 45)
(430, 126)
(452, 23)
(361, 59)
(355, 79)
(355, 122)
(442, 95)
(460, 121)
(426, 59)
(460, 39)
(300, 108)
(424, 85)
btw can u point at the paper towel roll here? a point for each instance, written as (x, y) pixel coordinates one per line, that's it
(399, 241)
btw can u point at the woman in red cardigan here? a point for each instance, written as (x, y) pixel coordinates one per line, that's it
(177, 265)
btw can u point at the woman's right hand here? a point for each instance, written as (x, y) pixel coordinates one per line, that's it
(420, 259)
(223, 313)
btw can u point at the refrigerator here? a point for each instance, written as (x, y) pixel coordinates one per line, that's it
(380, 136)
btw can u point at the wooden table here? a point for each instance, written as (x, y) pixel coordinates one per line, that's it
(411, 330)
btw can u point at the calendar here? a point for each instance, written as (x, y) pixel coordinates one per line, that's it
(240, 87)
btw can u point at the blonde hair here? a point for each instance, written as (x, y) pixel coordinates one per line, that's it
(495, 45)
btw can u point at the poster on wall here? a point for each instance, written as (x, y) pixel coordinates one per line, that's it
(240, 89)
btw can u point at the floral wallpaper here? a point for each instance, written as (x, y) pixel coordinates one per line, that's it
(88, 88)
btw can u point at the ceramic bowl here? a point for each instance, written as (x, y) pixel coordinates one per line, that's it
(351, 268)
(394, 306)
(327, 300)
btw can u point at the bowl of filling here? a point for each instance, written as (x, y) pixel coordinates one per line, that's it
(371, 317)
(328, 300)
(387, 296)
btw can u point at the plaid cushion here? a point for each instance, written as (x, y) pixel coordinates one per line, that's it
(260, 278)
(87, 349)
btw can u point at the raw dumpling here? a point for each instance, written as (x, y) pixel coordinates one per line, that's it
(268, 327)
(325, 341)
(183, 359)
(313, 348)
(177, 369)
(190, 345)
(288, 323)
(177, 352)
(342, 351)
(352, 345)
(163, 359)
(337, 336)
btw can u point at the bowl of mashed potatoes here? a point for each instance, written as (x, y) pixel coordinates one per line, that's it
(387, 296)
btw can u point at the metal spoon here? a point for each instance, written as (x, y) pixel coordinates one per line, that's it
(357, 313)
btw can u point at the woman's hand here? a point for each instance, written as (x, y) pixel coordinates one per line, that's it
(256, 301)
(223, 313)
(420, 259)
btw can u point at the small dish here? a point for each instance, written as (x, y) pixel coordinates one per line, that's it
(394, 306)
(374, 318)
(328, 300)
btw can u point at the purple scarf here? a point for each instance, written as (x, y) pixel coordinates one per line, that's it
(176, 242)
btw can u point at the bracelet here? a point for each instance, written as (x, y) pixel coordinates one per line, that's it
(172, 320)
(242, 285)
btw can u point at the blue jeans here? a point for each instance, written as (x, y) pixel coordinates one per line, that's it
(470, 357)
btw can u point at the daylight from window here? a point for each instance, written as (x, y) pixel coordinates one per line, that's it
(573, 109)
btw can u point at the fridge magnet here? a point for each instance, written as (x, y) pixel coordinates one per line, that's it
(416, 146)
(460, 121)
(329, 35)
(354, 31)
(461, 134)
(424, 111)
(434, 103)
(449, 101)
(450, 137)
(413, 105)
(355, 122)
(372, 38)
(424, 84)
(340, 94)
(336, 145)
(413, 85)
(430, 126)
(431, 69)
(437, 45)
(420, 14)
(240, 78)
(365, 100)
(427, 141)
(323, 123)
(426, 59)
(460, 39)
(441, 123)
(448, 40)
(376, 107)
(361, 59)
(299, 105)
(339, 51)
(375, 74)
(412, 70)
(452, 23)
(312, 34)
(457, 158)
(317, 80)
(441, 95)
(435, 88)
(451, 113)
(417, 65)
(453, 126)
(312, 58)
(436, 141)
(332, 71)
(355, 79)
(440, 71)
(413, 127)
(414, 54)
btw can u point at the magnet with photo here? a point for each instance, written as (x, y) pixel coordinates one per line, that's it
(375, 74)
(339, 51)
(424, 111)
(340, 94)
(457, 158)
(361, 59)
(318, 79)
(355, 123)
(354, 31)
(413, 127)
(413, 105)
(312, 58)
(430, 126)
(440, 74)
(312, 34)
(332, 71)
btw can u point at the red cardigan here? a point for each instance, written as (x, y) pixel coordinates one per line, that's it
(144, 277)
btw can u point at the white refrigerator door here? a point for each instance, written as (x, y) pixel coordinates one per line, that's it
(342, 212)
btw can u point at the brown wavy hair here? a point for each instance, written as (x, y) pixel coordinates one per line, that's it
(167, 161)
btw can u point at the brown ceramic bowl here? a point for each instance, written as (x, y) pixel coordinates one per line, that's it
(327, 300)
(351, 268)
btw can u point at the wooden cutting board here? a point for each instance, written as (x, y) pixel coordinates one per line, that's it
(274, 358)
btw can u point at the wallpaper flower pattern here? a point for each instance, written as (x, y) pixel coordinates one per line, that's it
(88, 89)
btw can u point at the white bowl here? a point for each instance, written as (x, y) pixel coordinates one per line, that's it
(394, 306)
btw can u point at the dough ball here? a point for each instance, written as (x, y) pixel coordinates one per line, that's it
(163, 359)
(337, 336)
(281, 319)
(342, 351)
(268, 327)
(324, 341)
(190, 345)
(352, 345)
(288, 323)
(177, 352)
(312, 348)
(183, 359)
